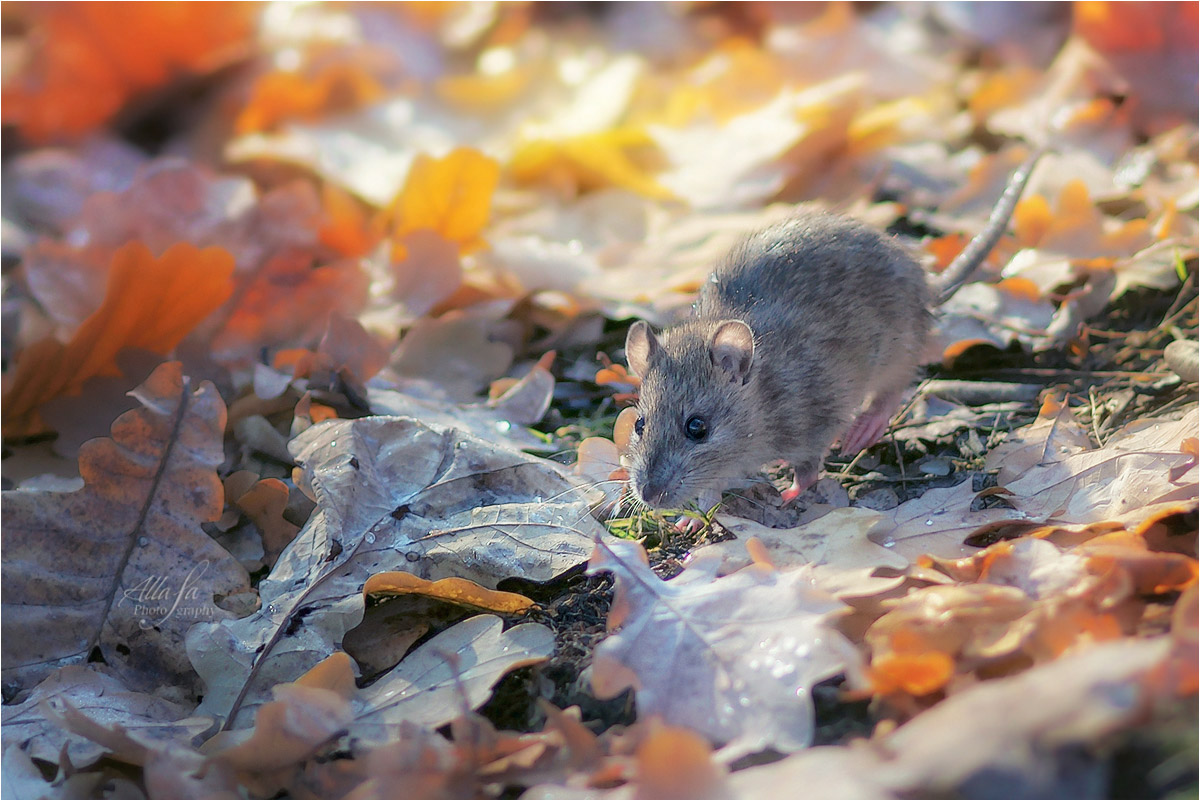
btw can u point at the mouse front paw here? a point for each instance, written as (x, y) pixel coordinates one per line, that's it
(803, 477)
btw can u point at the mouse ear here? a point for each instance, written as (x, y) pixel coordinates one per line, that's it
(640, 345)
(732, 349)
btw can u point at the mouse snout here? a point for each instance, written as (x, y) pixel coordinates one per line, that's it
(653, 493)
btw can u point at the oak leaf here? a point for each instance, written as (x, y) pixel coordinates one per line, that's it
(392, 494)
(150, 303)
(731, 658)
(1001, 735)
(94, 694)
(122, 565)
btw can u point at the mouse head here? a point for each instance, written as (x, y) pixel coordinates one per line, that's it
(697, 412)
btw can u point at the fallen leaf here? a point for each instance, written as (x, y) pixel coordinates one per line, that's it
(451, 196)
(454, 590)
(451, 672)
(676, 763)
(484, 420)
(998, 736)
(837, 540)
(304, 715)
(81, 73)
(264, 503)
(150, 304)
(122, 566)
(93, 693)
(393, 494)
(454, 351)
(282, 95)
(700, 653)
(427, 273)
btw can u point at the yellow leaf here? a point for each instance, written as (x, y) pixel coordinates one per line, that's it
(588, 161)
(451, 195)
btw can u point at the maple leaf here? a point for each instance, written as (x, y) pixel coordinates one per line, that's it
(150, 304)
(122, 565)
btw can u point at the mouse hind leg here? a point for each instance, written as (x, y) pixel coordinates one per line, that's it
(872, 422)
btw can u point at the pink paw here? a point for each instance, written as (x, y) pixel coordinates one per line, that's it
(688, 525)
(802, 480)
(864, 432)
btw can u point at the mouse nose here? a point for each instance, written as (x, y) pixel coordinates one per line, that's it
(653, 493)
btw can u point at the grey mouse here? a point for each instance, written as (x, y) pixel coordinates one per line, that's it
(807, 333)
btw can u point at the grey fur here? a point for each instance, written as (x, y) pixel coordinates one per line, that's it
(839, 314)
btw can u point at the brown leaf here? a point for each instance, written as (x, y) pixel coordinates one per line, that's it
(304, 715)
(150, 304)
(264, 503)
(122, 565)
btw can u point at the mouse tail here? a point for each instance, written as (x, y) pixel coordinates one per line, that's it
(973, 255)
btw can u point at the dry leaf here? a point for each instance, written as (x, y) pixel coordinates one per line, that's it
(122, 565)
(454, 351)
(283, 95)
(451, 196)
(264, 503)
(700, 652)
(999, 737)
(150, 304)
(454, 590)
(82, 73)
(450, 673)
(92, 694)
(393, 494)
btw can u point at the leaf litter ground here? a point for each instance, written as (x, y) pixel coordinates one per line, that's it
(502, 193)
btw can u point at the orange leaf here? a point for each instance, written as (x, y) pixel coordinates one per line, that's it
(345, 228)
(1032, 218)
(451, 195)
(914, 673)
(149, 304)
(454, 590)
(674, 762)
(282, 95)
(88, 59)
(1136, 27)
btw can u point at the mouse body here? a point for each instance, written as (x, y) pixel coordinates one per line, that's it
(807, 331)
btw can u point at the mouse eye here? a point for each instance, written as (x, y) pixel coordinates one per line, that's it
(695, 428)
(639, 425)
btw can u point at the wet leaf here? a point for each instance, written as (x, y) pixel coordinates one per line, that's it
(700, 652)
(392, 494)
